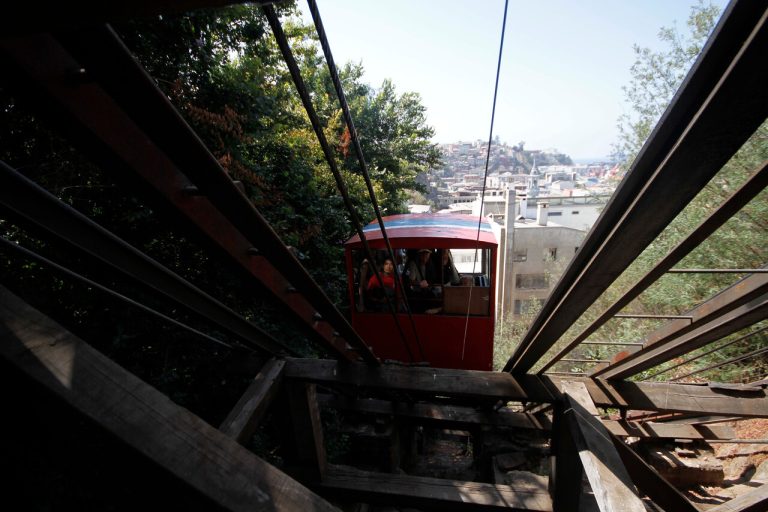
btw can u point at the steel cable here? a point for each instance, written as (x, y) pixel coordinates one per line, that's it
(485, 176)
(359, 152)
(293, 68)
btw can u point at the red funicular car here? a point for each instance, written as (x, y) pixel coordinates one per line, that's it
(445, 272)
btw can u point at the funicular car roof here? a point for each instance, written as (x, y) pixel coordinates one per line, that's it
(429, 230)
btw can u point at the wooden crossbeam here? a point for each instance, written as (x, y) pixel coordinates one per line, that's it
(668, 430)
(434, 493)
(646, 396)
(419, 380)
(447, 416)
(307, 455)
(244, 418)
(650, 482)
(144, 418)
(642, 475)
(612, 486)
(565, 484)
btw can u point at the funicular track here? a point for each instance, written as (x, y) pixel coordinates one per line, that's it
(79, 73)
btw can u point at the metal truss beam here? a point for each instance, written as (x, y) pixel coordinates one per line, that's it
(89, 79)
(725, 88)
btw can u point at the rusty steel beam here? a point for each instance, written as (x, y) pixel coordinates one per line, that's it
(92, 81)
(723, 363)
(718, 271)
(719, 105)
(735, 202)
(27, 17)
(674, 345)
(45, 262)
(36, 205)
(714, 349)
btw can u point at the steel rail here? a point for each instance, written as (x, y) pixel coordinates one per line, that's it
(12, 246)
(719, 327)
(723, 363)
(747, 290)
(726, 86)
(653, 317)
(613, 343)
(715, 349)
(718, 271)
(38, 206)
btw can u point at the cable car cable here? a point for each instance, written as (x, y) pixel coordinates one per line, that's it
(359, 152)
(485, 176)
(293, 67)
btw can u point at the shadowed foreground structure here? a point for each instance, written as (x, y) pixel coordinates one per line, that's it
(78, 73)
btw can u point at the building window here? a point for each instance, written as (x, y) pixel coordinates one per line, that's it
(555, 214)
(550, 254)
(520, 255)
(575, 212)
(532, 281)
(522, 307)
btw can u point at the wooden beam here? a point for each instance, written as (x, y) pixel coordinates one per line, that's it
(753, 501)
(566, 481)
(646, 396)
(122, 108)
(307, 454)
(613, 488)
(23, 18)
(434, 493)
(650, 482)
(418, 380)
(142, 417)
(448, 416)
(244, 418)
(668, 430)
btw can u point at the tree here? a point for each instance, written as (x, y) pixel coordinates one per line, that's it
(223, 70)
(656, 76)
(395, 140)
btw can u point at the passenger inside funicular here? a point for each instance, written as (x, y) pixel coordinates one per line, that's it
(450, 276)
(380, 287)
(427, 277)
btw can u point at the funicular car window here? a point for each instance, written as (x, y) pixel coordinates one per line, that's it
(434, 280)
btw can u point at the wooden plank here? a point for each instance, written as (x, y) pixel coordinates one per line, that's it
(308, 450)
(417, 380)
(434, 493)
(650, 482)
(447, 416)
(242, 421)
(567, 471)
(142, 417)
(753, 501)
(670, 397)
(668, 430)
(613, 488)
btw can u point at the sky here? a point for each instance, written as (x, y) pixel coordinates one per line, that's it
(563, 65)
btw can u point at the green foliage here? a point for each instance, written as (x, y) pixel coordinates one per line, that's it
(223, 71)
